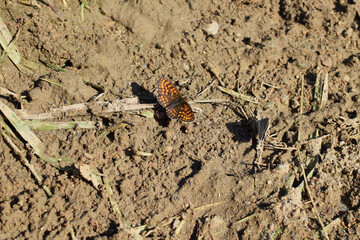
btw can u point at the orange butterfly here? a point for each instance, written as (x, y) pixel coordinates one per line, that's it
(170, 98)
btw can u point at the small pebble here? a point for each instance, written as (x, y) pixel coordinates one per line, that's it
(186, 66)
(236, 36)
(326, 62)
(211, 28)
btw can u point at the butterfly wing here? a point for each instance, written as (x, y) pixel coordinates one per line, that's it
(173, 111)
(170, 98)
(263, 126)
(167, 92)
(185, 113)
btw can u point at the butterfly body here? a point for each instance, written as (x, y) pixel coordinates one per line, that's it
(170, 99)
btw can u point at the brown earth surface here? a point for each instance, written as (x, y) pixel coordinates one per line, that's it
(207, 179)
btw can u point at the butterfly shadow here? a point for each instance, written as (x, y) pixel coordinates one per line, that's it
(145, 96)
(243, 131)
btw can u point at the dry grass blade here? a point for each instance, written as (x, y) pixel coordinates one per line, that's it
(270, 85)
(35, 124)
(313, 203)
(7, 129)
(12, 51)
(26, 163)
(32, 3)
(83, 109)
(20, 126)
(313, 158)
(206, 88)
(211, 101)
(53, 66)
(302, 95)
(51, 82)
(72, 234)
(6, 92)
(181, 225)
(311, 166)
(135, 233)
(238, 95)
(273, 147)
(64, 3)
(26, 133)
(321, 91)
(325, 91)
(330, 226)
(317, 93)
(301, 108)
(244, 219)
(143, 154)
